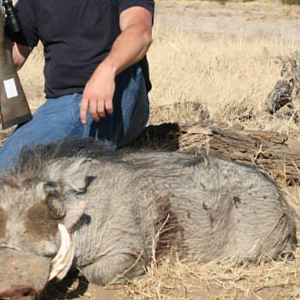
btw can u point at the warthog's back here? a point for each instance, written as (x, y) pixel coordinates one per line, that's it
(206, 208)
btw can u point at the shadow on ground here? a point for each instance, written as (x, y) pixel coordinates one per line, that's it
(73, 286)
(164, 137)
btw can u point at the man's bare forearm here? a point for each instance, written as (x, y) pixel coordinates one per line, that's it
(129, 48)
(131, 45)
(19, 53)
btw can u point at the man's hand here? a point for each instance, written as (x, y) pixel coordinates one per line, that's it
(98, 94)
(129, 48)
(19, 53)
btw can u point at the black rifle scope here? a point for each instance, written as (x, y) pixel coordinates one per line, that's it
(11, 21)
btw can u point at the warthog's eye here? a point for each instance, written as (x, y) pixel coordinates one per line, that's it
(3, 219)
(39, 223)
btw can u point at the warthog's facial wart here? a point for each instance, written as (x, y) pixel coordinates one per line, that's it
(62, 262)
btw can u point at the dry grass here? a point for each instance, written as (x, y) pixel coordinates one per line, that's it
(273, 280)
(230, 77)
(250, 10)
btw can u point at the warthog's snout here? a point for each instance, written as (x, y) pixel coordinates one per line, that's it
(22, 275)
(19, 292)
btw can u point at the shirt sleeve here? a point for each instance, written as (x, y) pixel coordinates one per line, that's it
(26, 12)
(147, 4)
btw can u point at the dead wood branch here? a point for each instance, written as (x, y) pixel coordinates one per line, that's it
(269, 150)
(286, 90)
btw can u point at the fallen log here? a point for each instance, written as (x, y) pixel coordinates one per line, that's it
(269, 150)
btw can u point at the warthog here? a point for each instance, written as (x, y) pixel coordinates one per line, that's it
(72, 204)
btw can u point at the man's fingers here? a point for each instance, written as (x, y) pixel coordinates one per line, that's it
(101, 109)
(109, 106)
(97, 107)
(83, 110)
(94, 109)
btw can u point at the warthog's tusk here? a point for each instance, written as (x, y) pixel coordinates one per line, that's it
(62, 262)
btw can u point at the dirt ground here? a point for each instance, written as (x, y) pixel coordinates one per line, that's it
(244, 19)
(211, 20)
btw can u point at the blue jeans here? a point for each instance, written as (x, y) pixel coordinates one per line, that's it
(59, 118)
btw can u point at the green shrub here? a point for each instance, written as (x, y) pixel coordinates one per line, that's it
(291, 2)
(220, 1)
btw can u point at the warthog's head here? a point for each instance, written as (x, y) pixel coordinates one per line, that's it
(37, 212)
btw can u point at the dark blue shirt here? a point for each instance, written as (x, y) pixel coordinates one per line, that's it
(77, 35)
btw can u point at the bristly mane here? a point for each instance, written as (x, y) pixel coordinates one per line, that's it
(33, 159)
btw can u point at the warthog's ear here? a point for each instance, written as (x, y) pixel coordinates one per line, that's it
(73, 175)
(76, 174)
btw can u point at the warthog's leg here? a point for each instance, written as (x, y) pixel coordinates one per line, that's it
(115, 269)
